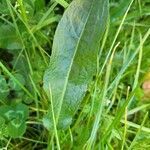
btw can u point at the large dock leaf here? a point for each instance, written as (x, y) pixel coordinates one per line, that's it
(74, 56)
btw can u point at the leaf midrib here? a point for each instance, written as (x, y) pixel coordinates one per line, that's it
(68, 74)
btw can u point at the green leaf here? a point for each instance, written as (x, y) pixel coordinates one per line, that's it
(14, 85)
(4, 89)
(3, 7)
(74, 56)
(16, 131)
(3, 128)
(39, 4)
(119, 10)
(15, 117)
(9, 38)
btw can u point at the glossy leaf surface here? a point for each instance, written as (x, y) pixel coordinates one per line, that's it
(74, 56)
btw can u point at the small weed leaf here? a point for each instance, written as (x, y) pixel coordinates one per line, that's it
(13, 85)
(15, 117)
(10, 39)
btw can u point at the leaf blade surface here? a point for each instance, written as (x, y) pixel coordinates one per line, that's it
(74, 56)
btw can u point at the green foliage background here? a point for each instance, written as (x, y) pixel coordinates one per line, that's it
(121, 121)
